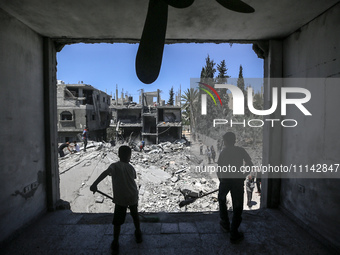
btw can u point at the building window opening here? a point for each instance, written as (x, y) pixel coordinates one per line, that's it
(66, 116)
(150, 124)
(74, 92)
(88, 97)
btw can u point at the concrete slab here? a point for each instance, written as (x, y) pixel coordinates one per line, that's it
(169, 228)
(186, 227)
(266, 232)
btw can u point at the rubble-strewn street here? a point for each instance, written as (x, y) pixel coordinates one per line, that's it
(162, 171)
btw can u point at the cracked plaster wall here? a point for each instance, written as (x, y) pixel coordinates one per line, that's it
(22, 147)
(314, 52)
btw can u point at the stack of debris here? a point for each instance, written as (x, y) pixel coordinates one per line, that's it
(163, 170)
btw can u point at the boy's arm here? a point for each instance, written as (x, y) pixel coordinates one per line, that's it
(93, 187)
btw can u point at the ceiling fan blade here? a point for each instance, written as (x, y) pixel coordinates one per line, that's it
(179, 3)
(150, 50)
(236, 5)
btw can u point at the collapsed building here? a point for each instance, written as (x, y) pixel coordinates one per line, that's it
(151, 120)
(80, 106)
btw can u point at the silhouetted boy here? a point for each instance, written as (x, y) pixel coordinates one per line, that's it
(125, 194)
(232, 157)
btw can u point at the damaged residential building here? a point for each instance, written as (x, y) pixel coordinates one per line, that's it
(79, 106)
(150, 120)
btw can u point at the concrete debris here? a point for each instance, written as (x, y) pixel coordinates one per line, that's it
(162, 171)
(205, 204)
(179, 171)
(99, 199)
(174, 179)
(195, 159)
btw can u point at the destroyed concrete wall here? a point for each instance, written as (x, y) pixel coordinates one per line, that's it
(313, 52)
(170, 134)
(22, 147)
(81, 105)
(170, 114)
(151, 98)
(169, 124)
(153, 124)
(129, 115)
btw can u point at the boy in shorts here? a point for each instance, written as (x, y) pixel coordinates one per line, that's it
(125, 194)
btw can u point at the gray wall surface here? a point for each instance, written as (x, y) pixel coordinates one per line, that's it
(312, 52)
(22, 147)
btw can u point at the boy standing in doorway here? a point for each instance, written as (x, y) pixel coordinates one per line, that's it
(125, 194)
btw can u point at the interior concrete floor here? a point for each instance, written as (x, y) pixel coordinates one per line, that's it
(267, 231)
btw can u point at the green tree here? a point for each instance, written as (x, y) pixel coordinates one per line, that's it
(222, 79)
(240, 85)
(171, 96)
(258, 101)
(240, 80)
(256, 133)
(208, 71)
(189, 107)
(207, 76)
(222, 72)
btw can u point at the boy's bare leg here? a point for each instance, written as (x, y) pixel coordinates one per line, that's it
(116, 232)
(118, 220)
(135, 216)
(115, 242)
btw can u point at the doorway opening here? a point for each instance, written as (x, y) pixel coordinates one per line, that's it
(106, 97)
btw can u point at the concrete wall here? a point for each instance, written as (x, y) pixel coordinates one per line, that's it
(314, 51)
(78, 119)
(22, 147)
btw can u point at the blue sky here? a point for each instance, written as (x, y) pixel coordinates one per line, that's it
(105, 65)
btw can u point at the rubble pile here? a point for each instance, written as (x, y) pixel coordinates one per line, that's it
(163, 170)
(178, 162)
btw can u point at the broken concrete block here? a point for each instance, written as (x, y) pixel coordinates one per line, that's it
(167, 150)
(179, 171)
(174, 179)
(154, 151)
(205, 204)
(99, 199)
(203, 181)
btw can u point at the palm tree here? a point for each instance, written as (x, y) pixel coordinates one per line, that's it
(189, 106)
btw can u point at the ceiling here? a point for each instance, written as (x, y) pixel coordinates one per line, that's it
(123, 20)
